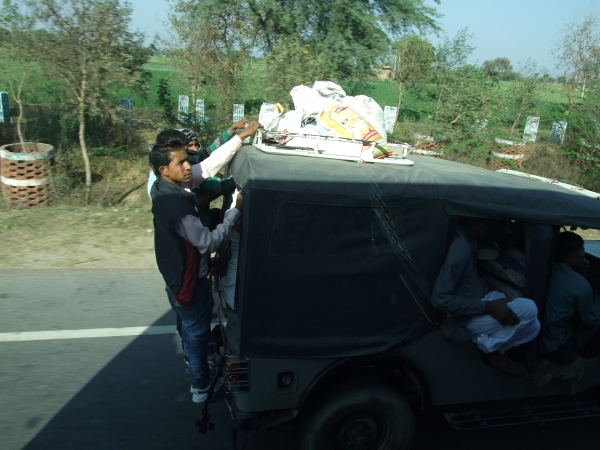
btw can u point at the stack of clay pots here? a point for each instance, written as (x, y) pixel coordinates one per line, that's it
(24, 175)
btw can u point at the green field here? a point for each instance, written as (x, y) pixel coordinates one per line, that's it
(40, 90)
(416, 109)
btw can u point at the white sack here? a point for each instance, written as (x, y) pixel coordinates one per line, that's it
(268, 116)
(329, 90)
(309, 102)
(289, 122)
(370, 110)
(316, 129)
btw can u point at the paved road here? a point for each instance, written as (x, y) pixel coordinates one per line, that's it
(130, 392)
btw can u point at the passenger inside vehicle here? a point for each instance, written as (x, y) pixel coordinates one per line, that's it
(512, 248)
(572, 312)
(506, 272)
(492, 321)
(228, 281)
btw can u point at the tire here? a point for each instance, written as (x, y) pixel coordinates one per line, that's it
(363, 416)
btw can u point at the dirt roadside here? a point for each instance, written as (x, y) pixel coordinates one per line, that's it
(79, 237)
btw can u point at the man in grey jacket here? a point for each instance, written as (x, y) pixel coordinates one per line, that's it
(572, 310)
(489, 319)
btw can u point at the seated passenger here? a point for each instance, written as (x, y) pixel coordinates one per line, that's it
(492, 321)
(512, 248)
(572, 314)
(228, 280)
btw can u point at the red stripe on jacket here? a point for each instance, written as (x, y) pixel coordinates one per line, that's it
(190, 275)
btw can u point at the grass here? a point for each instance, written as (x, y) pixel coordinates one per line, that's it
(552, 93)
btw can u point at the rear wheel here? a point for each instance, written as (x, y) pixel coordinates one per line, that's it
(360, 417)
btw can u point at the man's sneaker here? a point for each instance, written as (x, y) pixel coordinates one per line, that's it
(187, 364)
(199, 395)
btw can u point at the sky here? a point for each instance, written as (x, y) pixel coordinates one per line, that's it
(515, 29)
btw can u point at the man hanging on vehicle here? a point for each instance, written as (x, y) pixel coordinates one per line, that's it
(492, 321)
(572, 313)
(183, 244)
(209, 190)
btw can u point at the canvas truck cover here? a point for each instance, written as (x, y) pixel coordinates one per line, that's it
(339, 258)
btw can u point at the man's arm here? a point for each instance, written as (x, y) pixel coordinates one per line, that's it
(224, 137)
(191, 229)
(211, 165)
(589, 307)
(220, 140)
(444, 296)
(221, 156)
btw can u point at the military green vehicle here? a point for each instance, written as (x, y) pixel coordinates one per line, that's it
(332, 324)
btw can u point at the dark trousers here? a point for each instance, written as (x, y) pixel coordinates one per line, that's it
(584, 340)
(195, 330)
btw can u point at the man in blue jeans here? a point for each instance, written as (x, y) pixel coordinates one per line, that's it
(207, 191)
(183, 244)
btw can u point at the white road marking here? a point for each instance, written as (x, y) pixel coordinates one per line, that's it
(87, 333)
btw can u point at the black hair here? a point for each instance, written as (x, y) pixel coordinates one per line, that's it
(189, 134)
(568, 242)
(167, 142)
(513, 235)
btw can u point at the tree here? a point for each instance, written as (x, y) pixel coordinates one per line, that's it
(85, 48)
(464, 93)
(525, 94)
(165, 101)
(468, 96)
(583, 131)
(413, 59)
(352, 35)
(499, 67)
(575, 51)
(212, 42)
(290, 63)
(187, 43)
(17, 71)
(450, 55)
(17, 77)
(9, 18)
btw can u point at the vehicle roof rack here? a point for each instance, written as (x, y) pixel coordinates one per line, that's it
(297, 144)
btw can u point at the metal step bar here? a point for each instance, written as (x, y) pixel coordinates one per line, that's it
(479, 417)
